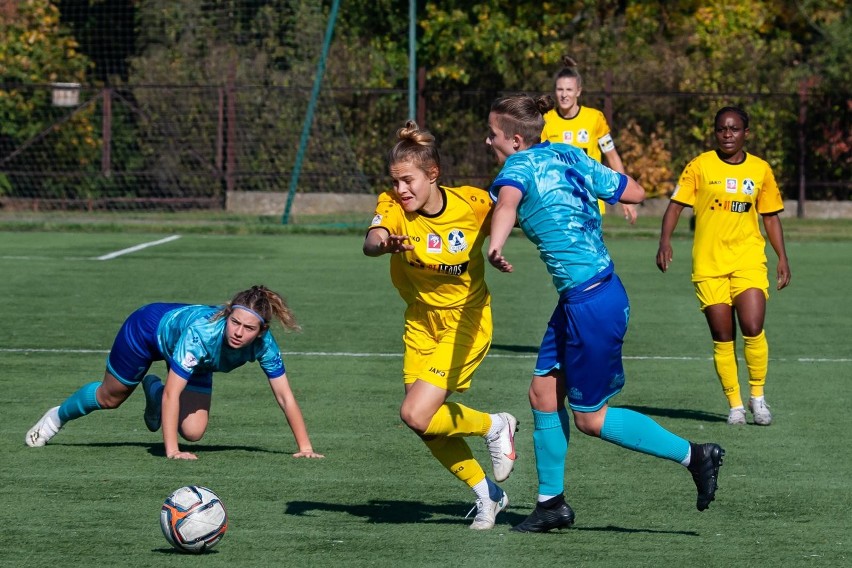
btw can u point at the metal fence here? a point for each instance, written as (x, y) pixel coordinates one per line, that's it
(177, 147)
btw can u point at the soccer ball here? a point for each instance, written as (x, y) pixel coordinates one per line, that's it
(193, 519)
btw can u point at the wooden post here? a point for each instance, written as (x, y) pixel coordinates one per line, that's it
(421, 99)
(231, 140)
(608, 98)
(220, 131)
(106, 133)
(803, 114)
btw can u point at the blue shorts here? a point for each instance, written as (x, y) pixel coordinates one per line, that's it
(583, 339)
(136, 347)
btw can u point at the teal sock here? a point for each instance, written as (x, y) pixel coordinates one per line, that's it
(550, 438)
(639, 433)
(80, 403)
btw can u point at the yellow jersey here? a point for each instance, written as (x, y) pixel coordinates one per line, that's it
(727, 200)
(588, 131)
(446, 269)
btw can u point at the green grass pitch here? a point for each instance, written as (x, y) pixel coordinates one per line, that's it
(92, 496)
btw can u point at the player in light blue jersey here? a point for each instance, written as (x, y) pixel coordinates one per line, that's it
(552, 191)
(195, 341)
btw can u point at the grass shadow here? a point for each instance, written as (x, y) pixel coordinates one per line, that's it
(402, 512)
(398, 512)
(157, 449)
(680, 413)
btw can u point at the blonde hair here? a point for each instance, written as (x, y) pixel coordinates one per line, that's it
(415, 146)
(265, 303)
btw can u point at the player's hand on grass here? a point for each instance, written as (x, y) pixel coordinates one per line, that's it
(183, 456)
(307, 454)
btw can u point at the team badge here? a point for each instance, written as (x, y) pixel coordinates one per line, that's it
(583, 136)
(189, 361)
(568, 136)
(456, 241)
(433, 243)
(748, 186)
(731, 185)
(376, 220)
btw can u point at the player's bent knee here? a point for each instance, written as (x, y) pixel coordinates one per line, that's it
(191, 436)
(418, 425)
(588, 423)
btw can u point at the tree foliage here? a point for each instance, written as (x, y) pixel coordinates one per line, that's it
(662, 68)
(36, 50)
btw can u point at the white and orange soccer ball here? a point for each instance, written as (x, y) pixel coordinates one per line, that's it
(193, 519)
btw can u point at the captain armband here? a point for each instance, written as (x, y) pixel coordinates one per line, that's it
(606, 143)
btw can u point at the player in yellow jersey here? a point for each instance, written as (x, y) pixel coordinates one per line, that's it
(729, 189)
(434, 235)
(586, 128)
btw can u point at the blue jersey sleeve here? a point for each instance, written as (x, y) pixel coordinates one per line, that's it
(188, 352)
(605, 183)
(269, 357)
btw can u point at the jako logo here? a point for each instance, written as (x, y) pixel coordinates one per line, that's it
(435, 371)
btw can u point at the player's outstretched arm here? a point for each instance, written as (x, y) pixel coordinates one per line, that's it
(284, 396)
(379, 241)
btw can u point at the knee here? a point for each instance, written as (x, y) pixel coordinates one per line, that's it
(546, 395)
(417, 423)
(588, 424)
(752, 330)
(107, 401)
(191, 436)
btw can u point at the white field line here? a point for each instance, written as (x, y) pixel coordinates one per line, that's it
(346, 354)
(137, 247)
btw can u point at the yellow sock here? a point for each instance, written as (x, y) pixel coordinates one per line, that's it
(456, 420)
(455, 455)
(757, 361)
(725, 360)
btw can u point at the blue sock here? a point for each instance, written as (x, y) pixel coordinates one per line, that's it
(550, 438)
(639, 433)
(80, 403)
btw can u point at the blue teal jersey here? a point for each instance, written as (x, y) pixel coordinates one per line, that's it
(194, 344)
(559, 212)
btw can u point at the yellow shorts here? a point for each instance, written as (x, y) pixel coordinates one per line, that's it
(444, 347)
(723, 289)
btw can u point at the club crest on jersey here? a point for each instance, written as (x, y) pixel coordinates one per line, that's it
(748, 186)
(189, 361)
(456, 241)
(433, 243)
(376, 220)
(583, 136)
(568, 136)
(731, 185)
